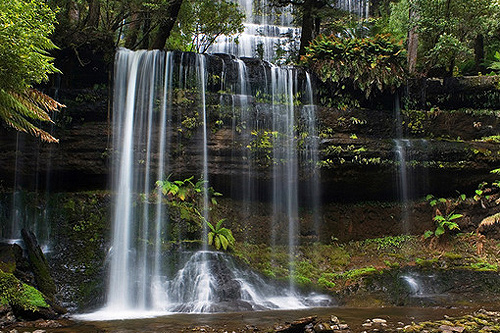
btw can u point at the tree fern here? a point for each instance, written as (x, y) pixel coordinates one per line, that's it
(19, 110)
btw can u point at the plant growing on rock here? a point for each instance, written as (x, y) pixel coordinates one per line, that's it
(220, 236)
(184, 198)
(444, 221)
(367, 63)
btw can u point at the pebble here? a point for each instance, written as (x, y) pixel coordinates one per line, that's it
(335, 320)
(379, 321)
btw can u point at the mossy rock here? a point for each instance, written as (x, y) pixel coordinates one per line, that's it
(39, 265)
(9, 255)
(19, 295)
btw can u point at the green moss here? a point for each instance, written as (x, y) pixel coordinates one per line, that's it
(15, 293)
(358, 273)
(426, 263)
(390, 243)
(484, 267)
(326, 280)
(452, 256)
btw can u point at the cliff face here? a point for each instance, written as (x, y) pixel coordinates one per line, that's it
(361, 150)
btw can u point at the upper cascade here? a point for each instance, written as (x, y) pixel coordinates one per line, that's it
(358, 7)
(269, 33)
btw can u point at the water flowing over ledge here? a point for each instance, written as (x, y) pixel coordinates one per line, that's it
(141, 279)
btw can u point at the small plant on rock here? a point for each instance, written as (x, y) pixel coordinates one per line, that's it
(444, 221)
(220, 236)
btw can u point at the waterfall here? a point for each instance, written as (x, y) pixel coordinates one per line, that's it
(132, 271)
(143, 278)
(29, 205)
(358, 7)
(311, 157)
(268, 32)
(411, 181)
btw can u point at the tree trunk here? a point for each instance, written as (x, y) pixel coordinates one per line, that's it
(146, 27)
(133, 31)
(94, 14)
(167, 25)
(307, 26)
(412, 39)
(479, 52)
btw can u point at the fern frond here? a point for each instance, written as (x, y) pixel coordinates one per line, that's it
(44, 101)
(15, 108)
(27, 108)
(20, 123)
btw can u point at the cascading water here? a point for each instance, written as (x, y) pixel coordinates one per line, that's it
(142, 280)
(358, 7)
(268, 32)
(410, 181)
(27, 210)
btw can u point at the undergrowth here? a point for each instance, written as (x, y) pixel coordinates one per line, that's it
(338, 265)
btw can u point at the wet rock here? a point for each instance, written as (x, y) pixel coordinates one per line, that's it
(48, 323)
(9, 255)
(39, 264)
(334, 320)
(323, 328)
(6, 315)
(489, 313)
(297, 326)
(379, 321)
(446, 329)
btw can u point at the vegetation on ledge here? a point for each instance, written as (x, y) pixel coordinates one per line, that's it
(338, 266)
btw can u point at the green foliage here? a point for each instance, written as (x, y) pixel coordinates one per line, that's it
(261, 145)
(25, 27)
(426, 263)
(495, 64)
(202, 21)
(389, 243)
(15, 293)
(368, 63)
(447, 30)
(358, 273)
(444, 221)
(186, 200)
(484, 267)
(326, 281)
(220, 236)
(186, 191)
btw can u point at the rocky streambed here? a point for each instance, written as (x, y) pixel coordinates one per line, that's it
(355, 320)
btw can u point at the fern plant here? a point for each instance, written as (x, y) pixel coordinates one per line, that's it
(20, 110)
(220, 236)
(495, 64)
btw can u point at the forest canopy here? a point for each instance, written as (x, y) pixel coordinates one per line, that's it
(25, 28)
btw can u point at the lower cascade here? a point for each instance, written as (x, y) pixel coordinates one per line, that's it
(146, 278)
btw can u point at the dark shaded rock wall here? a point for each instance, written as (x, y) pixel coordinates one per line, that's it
(359, 160)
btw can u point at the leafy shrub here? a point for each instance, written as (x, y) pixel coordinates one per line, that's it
(368, 63)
